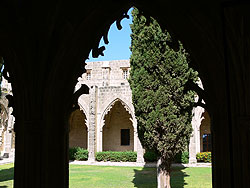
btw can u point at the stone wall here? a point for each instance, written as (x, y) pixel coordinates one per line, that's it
(108, 87)
(7, 135)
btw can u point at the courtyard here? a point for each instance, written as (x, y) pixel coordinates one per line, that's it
(123, 177)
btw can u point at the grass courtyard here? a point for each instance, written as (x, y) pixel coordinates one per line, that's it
(122, 177)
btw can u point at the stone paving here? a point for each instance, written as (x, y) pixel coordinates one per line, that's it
(108, 163)
(6, 161)
(135, 164)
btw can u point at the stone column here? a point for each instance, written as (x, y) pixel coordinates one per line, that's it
(194, 144)
(99, 136)
(8, 134)
(139, 149)
(7, 141)
(236, 36)
(135, 139)
(92, 124)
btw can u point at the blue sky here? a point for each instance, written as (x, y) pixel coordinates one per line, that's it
(119, 42)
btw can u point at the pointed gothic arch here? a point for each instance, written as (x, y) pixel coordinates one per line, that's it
(109, 104)
(78, 129)
(118, 132)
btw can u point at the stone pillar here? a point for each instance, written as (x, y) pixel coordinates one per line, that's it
(99, 136)
(92, 124)
(139, 149)
(7, 141)
(28, 156)
(236, 37)
(135, 139)
(194, 144)
(8, 134)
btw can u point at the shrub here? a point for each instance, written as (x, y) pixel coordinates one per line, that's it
(150, 156)
(77, 153)
(116, 156)
(182, 157)
(72, 152)
(204, 157)
(81, 154)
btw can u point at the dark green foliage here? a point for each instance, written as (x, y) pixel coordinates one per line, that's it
(116, 156)
(182, 157)
(81, 154)
(204, 157)
(72, 152)
(1, 74)
(158, 75)
(77, 153)
(150, 156)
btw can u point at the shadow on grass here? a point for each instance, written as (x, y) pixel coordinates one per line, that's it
(6, 175)
(147, 177)
(177, 177)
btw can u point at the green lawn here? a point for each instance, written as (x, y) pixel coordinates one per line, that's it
(6, 175)
(119, 177)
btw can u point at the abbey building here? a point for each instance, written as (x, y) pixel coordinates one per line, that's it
(106, 120)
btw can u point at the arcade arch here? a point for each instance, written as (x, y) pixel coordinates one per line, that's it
(118, 130)
(205, 133)
(78, 131)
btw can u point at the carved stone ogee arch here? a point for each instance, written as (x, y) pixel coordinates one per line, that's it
(83, 110)
(107, 107)
(112, 103)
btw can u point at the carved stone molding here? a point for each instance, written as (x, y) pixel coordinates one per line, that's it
(110, 106)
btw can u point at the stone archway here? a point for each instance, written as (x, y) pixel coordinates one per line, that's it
(205, 133)
(201, 125)
(78, 131)
(42, 34)
(118, 130)
(3, 126)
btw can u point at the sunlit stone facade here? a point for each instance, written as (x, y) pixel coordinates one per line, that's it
(106, 119)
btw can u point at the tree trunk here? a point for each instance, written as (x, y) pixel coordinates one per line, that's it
(163, 173)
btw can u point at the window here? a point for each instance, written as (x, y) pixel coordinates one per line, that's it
(125, 137)
(105, 73)
(125, 74)
(206, 142)
(88, 76)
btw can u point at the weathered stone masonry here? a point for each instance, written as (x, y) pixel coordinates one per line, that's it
(109, 109)
(103, 114)
(7, 135)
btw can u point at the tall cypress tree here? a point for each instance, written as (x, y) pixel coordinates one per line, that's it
(1, 74)
(162, 105)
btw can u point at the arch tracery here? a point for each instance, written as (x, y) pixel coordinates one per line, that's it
(112, 103)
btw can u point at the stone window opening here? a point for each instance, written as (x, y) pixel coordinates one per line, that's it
(125, 74)
(206, 142)
(105, 73)
(88, 75)
(125, 137)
